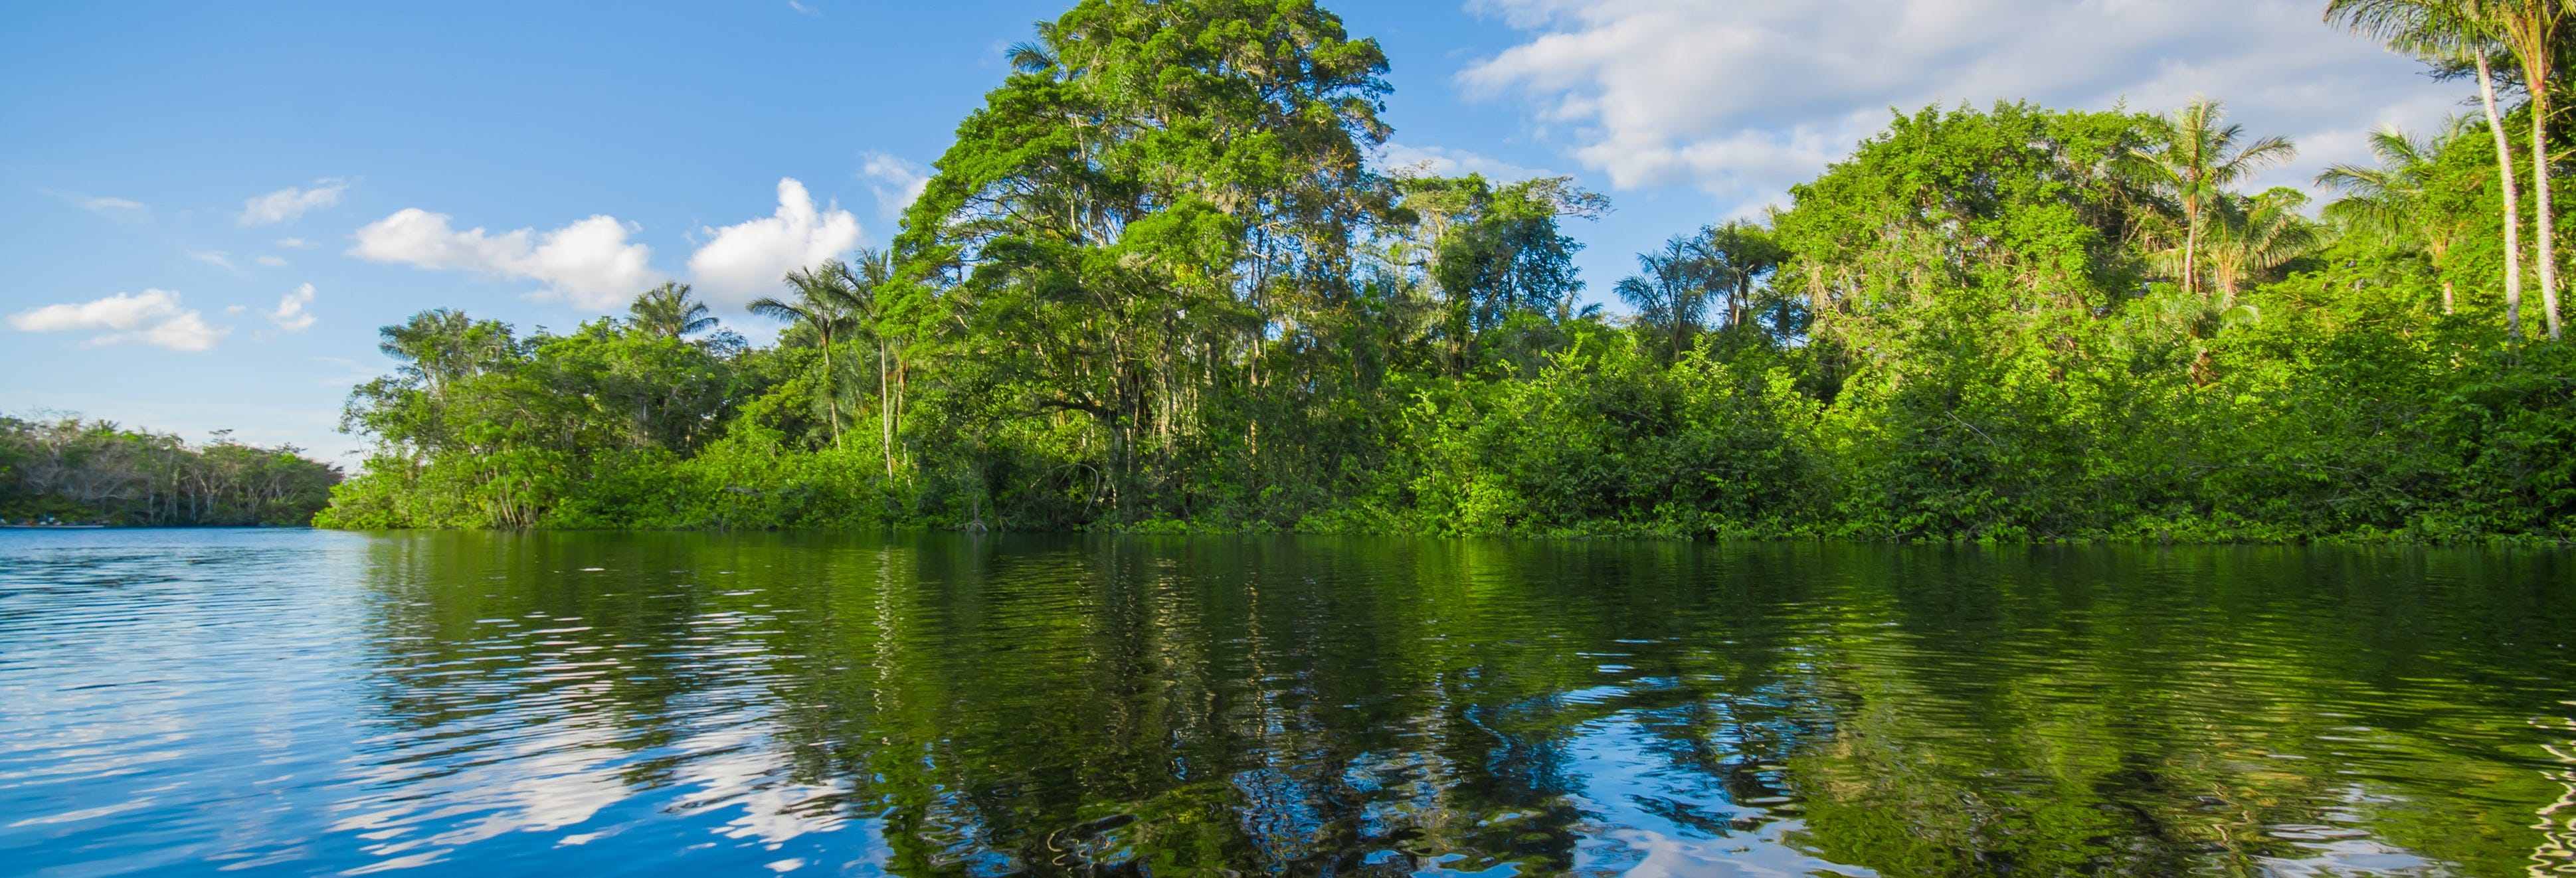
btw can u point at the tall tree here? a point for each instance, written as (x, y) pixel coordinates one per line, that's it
(828, 301)
(1488, 252)
(871, 276)
(1671, 292)
(2390, 201)
(1158, 205)
(670, 311)
(2251, 237)
(2444, 32)
(1738, 254)
(2531, 29)
(2195, 160)
(441, 345)
(1699, 279)
(2037, 208)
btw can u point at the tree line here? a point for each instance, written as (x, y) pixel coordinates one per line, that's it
(1157, 284)
(71, 470)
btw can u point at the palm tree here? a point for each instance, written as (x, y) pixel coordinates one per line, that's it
(2530, 29)
(1672, 293)
(2389, 200)
(1737, 254)
(2443, 31)
(441, 345)
(827, 299)
(670, 311)
(1039, 55)
(2251, 238)
(2194, 159)
(876, 270)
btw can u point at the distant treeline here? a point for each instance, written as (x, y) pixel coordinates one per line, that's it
(76, 471)
(1156, 284)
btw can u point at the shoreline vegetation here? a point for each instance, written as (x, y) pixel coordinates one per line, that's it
(1156, 286)
(66, 471)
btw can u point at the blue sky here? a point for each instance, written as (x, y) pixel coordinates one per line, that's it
(208, 208)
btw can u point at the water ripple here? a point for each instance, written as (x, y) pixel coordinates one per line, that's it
(289, 702)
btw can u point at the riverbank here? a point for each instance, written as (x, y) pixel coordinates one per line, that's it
(66, 468)
(2169, 534)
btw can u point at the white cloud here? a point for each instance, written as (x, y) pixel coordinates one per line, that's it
(153, 318)
(186, 332)
(290, 314)
(588, 264)
(898, 182)
(1744, 97)
(109, 205)
(216, 258)
(808, 10)
(751, 258)
(296, 243)
(270, 261)
(114, 208)
(290, 202)
(1445, 162)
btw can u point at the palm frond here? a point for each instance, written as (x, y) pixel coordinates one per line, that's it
(1030, 57)
(776, 310)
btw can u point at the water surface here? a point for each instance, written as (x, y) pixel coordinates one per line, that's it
(296, 702)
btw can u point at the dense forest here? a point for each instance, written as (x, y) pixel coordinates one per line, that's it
(1157, 284)
(73, 471)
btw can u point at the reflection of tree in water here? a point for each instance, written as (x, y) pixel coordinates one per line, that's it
(2014, 717)
(1302, 706)
(1211, 717)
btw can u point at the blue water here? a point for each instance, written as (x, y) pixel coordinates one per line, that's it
(308, 703)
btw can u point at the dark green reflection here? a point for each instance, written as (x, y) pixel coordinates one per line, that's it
(948, 705)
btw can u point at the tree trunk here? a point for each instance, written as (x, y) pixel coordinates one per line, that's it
(885, 408)
(2512, 204)
(831, 401)
(2547, 257)
(2190, 248)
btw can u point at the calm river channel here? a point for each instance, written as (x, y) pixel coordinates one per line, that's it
(288, 702)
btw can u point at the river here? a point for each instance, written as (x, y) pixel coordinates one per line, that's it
(286, 702)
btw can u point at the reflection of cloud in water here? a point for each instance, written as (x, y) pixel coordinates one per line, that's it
(1652, 818)
(2347, 856)
(737, 769)
(481, 776)
(544, 777)
(564, 774)
(1666, 857)
(2556, 852)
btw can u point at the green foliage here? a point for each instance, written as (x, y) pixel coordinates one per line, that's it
(671, 312)
(71, 470)
(1155, 286)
